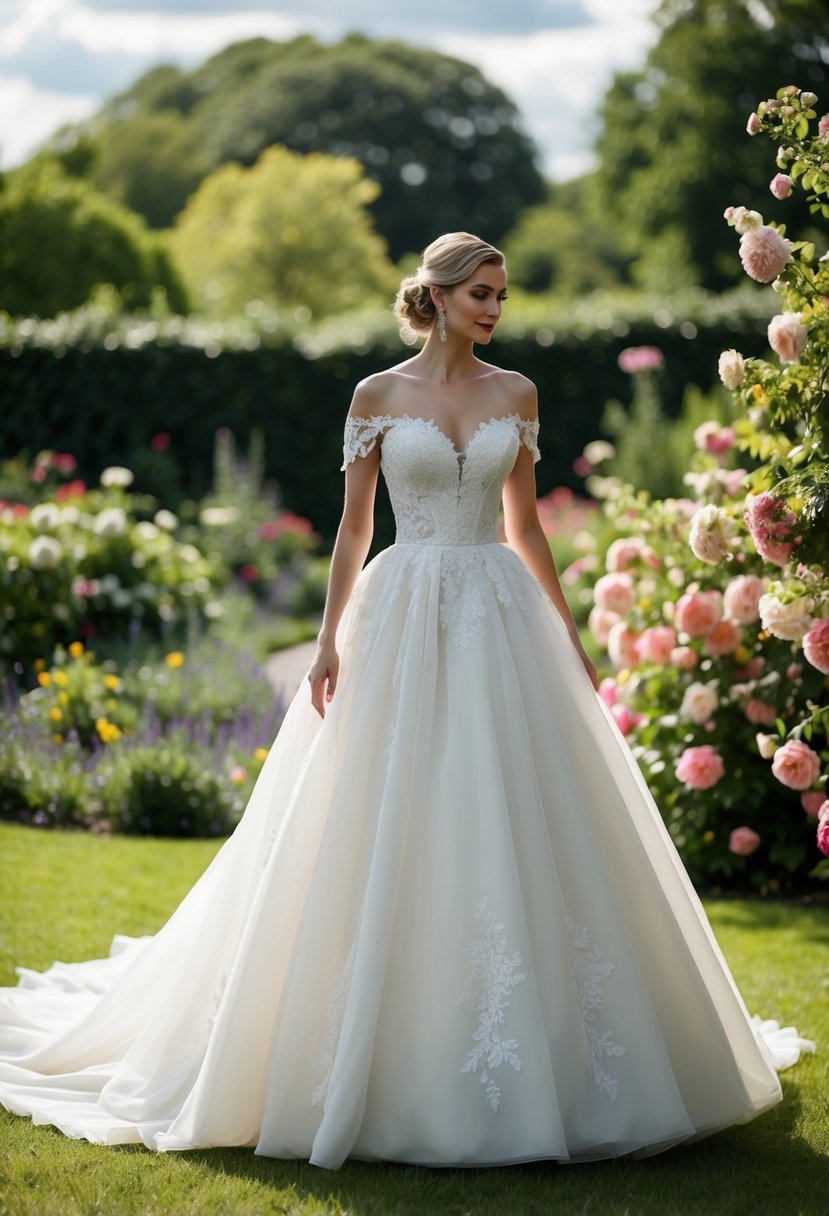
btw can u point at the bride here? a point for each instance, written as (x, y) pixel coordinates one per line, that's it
(450, 928)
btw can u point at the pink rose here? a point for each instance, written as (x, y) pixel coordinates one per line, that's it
(724, 638)
(741, 599)
(772, 525)
(764, 253)
(753, 124)
(623, 552)
(697, 612)
(781, 185)
(615, 593)
(600, 622)
(635, 359)
(684, 658)
(609, 691)
(796, 765)
(794, 671)
(760, 713)
(733, 481)
(813, 802)
(713, 438)
(656, 644)
(743, 841)
(700, 767)
(623, 717)
(816, 645)
(823, 829)
(787, 336)
(823, 125)
(752, 669)
(622, 645)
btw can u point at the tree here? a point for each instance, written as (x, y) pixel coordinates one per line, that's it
(443, 143)
(59, 238)
(672, 149)
(148, 162)
(293, 231)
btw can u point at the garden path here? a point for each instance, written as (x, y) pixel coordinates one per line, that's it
(287, 668)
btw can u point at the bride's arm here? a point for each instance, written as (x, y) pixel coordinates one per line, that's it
(350, 551)
(526, 536)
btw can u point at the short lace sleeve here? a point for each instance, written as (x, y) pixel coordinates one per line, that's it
(361, 436)
(528, 434)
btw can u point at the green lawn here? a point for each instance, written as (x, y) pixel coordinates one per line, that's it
(64, 895)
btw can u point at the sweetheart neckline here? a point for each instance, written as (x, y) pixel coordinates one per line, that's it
(460, 453)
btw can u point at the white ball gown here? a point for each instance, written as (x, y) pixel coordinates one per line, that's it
(450, 927)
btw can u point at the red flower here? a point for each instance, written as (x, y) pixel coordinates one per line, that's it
(160, 442)
(270, 530)
(64, 462)
(249, 573)
(72, 489)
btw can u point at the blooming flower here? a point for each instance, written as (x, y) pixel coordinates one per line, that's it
(764, 253)
(781, 185)
(816, 645)
(732, 368)
(790, 620)
(684, 658)
(44, 553)
(823, 829)
(743, 841)
(174, 659)
(772, 527)
(724, 638)
(741, 599)
(697, 612)
(700, 767)
(743, 220)
(714, 438)
(615, 593)
(622, 645)
(110, 522)
(622, 552)
(787, 336)
(753, 124)
(813, 802)
(711, 530)
(45, 516)
(117, 475)
(600, 622)
(766, 745)
(656, 644)
(760, 713)
(699, 702)
(796, 765)
(636, 359)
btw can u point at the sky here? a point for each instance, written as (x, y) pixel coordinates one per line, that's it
(59, 59)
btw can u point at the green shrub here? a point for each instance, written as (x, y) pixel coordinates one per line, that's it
(167, 791)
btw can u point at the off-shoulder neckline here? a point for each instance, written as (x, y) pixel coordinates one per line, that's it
(431, 422)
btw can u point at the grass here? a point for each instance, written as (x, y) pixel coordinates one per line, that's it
(64, 895)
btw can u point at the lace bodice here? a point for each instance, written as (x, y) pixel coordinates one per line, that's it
(440, 495)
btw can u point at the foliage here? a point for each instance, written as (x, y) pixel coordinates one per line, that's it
(59, 238)
(167, 791)
(99, 383)
(84, 563)
(292, 232)
(443, 143)
(80, 698)
(670, 153)
(92, 887)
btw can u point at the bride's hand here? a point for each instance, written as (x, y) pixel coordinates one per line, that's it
(324, 670)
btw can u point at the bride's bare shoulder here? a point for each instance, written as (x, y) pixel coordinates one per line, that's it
(377, 394)
(518, 392)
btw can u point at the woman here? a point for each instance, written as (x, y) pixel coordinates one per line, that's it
(450, 927)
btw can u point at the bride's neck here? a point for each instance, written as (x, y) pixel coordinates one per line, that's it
(450, 360)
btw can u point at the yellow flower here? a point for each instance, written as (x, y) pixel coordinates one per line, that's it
(113, 683)
(63, 699)
(174, 659)
(742, 654)
(76, 649)
(261, 754)
(44, 679)
(645, 604)
(39, 665)
(55, 714)
(57, 738)
(622, 676)
(61, 679)
(758, 394)
(708, 836)
(108, 731)
(114, 732)
(763, 635)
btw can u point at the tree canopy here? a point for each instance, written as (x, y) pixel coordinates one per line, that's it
(293, 231)
(673, 148)
(59, 238)
(444, 144)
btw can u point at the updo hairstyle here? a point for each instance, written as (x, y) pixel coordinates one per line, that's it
(448, 261)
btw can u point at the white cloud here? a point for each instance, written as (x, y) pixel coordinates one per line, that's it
(31, 115)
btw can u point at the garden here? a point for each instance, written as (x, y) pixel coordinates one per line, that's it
(155, 556)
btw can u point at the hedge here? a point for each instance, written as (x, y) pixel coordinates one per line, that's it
(101, 387)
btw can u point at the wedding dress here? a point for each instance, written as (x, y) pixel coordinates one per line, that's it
(450, 927)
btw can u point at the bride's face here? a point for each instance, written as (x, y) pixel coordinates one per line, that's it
(473, 308)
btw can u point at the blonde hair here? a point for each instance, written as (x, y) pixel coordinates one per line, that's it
(448, 261)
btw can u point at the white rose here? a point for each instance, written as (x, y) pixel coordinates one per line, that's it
(732, 368)
(711, 530)
(166, 520)
(146, 531)
(807, 100)
(218, 517)
(111, 522)
(699, 703)
(789, 621)
(45, 516)
(744, 220)
(766, 745)
(189, 553)
(598, 450)
(116, 475)
(44, 553)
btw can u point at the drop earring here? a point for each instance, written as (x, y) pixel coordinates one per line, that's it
(441, 325)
